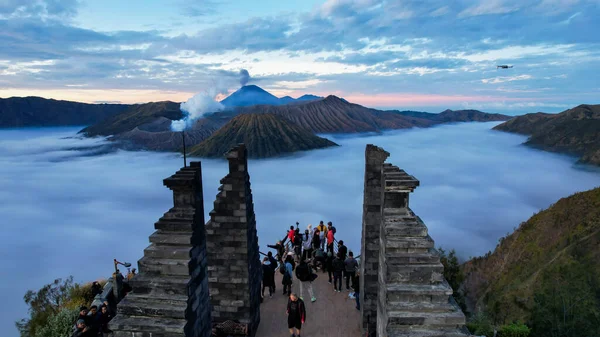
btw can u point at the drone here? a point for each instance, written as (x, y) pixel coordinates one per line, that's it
(503, 66)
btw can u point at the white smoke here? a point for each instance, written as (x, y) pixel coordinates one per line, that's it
(244, 77)
(195, 108)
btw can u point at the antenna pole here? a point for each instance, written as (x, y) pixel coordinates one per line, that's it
(184, 155)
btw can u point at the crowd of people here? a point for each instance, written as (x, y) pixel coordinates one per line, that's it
(94, 322)
(310, 251)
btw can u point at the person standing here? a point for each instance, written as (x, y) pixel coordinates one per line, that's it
(280, 250)
(304, 275)
(342, 250)
(338, 269)
(350, 267)
(316, 240)
(298, 244)
(268, 277)
(307, 245)
(329, 265)
(296, 314)
(330, 239)
(357, 289)
(287, 276)
(322, 234)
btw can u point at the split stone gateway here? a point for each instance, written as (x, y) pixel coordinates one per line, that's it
(195, 274)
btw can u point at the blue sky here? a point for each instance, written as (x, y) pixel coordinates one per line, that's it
(407, 54)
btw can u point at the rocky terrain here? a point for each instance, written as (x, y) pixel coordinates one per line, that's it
(37, 111)
(575, 131)
(265, 135)
(252, 95)
(548, 269)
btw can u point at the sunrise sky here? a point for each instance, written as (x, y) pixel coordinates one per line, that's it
(428, 55)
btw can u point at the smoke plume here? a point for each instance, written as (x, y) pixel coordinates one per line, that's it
(244, 77)
(195, 108)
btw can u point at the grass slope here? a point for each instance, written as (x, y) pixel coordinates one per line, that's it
(265, 135)
(555, 254)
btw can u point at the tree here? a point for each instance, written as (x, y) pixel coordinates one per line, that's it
(453, 274)
(43, 304)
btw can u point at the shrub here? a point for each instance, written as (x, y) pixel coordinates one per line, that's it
(514, 330)
(59, 325)
(481, 325)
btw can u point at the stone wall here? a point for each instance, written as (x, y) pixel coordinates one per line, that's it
(234, 267)
(198, 310)
(371, 224)
(412, 297)
(158, 303)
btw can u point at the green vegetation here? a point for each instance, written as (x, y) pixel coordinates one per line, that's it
(546, 273)
(54, 307)
(454, 275)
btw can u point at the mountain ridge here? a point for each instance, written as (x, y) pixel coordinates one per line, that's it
(575, 131)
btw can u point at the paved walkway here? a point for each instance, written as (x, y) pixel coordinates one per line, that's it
(332, 315)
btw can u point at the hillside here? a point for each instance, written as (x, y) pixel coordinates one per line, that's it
(575, 131)
(550, 260)
(448, 116)
(37, 111)
(134, 116)
(265, 135)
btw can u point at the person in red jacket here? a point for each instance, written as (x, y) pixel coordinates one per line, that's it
(330, 239)
(296, 314)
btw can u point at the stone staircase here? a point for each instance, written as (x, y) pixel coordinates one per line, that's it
(414, 299)
(157, 304)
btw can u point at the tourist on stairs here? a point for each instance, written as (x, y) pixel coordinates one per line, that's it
(351, 266)
(322, 234)
(287, 276)
(82, 330)
(105, 317)
(342, 250)
(338, 269)
(296, 314)
(306, 245)
(329, 265)
(304, 274)
(268, 277)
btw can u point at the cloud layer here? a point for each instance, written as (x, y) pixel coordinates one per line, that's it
(68, 211)
(347, 47)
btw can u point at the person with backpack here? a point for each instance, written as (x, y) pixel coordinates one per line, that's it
(338, 269)
(350, 270)
(287, 271)
(296, 314)
(307, 245)
(305, 275)
(268, 277)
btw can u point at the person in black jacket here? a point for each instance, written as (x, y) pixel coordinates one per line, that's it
(304, 275)
(82, 330)
(342, 250)
(329, 265)
(105, 317)
(280, 249)
(268, 277)
(338, 269)
(296, 314)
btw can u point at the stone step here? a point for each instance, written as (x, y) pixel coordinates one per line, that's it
(168, 252)
(436, 293)
(422, 307)
(150, 306)
(418, 274)
(134, 326)
(405, 229)
(401, 242)
(410, 331)
(171, 238)
(170, 267)
(451, 319)
(160, 286)
(430, 257)
(174, 225)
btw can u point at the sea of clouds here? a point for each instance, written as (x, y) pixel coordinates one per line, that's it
(69, 205)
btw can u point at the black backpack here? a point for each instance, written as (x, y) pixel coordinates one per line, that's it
(282, 268)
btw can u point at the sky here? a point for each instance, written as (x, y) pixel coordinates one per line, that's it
(392, 54)
(69, 206)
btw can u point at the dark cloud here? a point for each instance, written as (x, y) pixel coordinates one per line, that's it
(74, 213)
